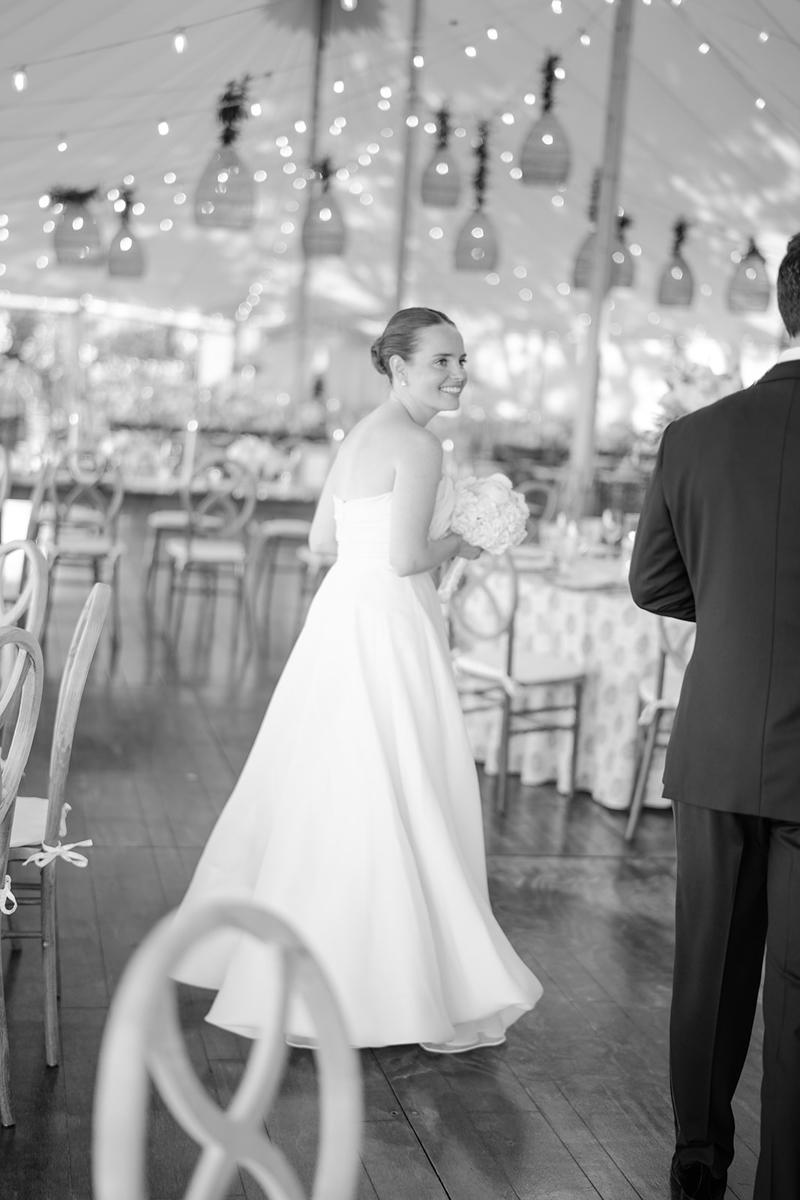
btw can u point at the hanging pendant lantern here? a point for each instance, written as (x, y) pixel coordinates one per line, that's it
(676, 287)
(749, 289)
(225, 196)
(621, 259)
(441, 180)
(545, 155)
(324, 229)
(76, 238)
(125, 254)
(476, 245)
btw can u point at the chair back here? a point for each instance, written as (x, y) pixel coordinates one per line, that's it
(676, 646)
(93, 484)
(39, 491)
(541, 498)
(220, 498)
(20, 701)
(484, 607)
(70, 693)
(23, 586)
(5, 476)
(143, 1040)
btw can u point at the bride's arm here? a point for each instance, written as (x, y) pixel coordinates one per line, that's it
(418, 470)
(322, 535)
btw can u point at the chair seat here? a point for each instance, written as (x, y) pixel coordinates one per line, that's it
(205, 551)
(313, 560)
(551, 671)
(30, 822)
(85, 547)
(284, 527)
(174, 520)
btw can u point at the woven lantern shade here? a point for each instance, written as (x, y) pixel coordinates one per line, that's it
(125, 254)
(441, 179)
(676, 286)
(76, 238)
(750, 289)
(621, 261)
(545, 155)
(476, 245)
(324, 230)
(225, 196)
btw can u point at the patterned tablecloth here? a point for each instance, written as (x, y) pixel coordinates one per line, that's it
(617, 644)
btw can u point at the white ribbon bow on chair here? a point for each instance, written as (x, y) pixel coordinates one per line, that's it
(8, 904)
(47, 853)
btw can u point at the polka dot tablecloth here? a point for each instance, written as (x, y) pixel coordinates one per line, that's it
(617, 644)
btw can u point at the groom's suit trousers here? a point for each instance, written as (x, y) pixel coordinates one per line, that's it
(738, 890)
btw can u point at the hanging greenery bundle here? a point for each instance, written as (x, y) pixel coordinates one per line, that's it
(324, 230)
(225, 197)
(441, 179)
(676, 286)
(476, 245)
(125, 254)
(750, 289)
(76, 238)
(545, 155)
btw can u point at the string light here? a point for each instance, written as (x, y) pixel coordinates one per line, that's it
(560, 73)
(300, 126)
(386, 92)
(62, 145)
(44, 201)
(255, 109)
(20, 79)
(507, 118)
(760, 103)
(529, 99)
(556, 7)
(763, 36)
(180, 41)
(491, 33)
(165, 225)
(585, 39)
(338, 86)
(128, 180)
(163, 128)
(349, 5)
(470, 51)
(704, 47)
(260, 176)
(418, 61)
(170, 177)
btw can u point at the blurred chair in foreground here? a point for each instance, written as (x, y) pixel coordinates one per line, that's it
(659, 692)
(313, 569)
(276, 545)
(20, 702)
(40, 823)
(484, 610)
(219, 502)
(143, 1039)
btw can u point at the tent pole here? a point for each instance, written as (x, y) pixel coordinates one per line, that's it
(412, 103)
(321, 15)
(581, 463)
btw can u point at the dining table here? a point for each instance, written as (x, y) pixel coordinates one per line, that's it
(582, 611)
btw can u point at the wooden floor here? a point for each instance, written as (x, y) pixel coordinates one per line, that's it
(575, 1105)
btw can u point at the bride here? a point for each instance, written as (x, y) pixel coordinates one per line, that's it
(357, 815)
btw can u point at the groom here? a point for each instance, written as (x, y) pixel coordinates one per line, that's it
(719, 543)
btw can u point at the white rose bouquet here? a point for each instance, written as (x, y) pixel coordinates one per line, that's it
(487, 513)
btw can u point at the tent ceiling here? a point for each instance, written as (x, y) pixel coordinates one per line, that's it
(696, 145)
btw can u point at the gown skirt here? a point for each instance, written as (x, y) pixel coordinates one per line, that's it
(357, 818)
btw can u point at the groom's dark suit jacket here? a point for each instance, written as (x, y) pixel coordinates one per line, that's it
(718, 543)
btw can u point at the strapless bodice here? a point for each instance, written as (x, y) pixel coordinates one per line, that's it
(362, 525)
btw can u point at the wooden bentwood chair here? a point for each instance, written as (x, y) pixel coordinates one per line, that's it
(143, 1039)
(484, 610)
(40, 822)
(19, 704)
(658, 700)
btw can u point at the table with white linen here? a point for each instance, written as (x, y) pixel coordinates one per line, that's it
(617, 644)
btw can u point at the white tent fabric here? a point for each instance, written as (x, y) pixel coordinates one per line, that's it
(710, 135)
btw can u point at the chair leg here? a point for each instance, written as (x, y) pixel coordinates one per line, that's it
(641, 779)
(6, 1099)
(150, 558)
(116, 623)
(576, 734)
(52, 1039)
(501, 786)
(270, 566)
(181, 583)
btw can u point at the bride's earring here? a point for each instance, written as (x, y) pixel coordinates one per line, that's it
(403, 382)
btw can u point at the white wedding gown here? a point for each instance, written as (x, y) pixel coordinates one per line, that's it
(357, 818)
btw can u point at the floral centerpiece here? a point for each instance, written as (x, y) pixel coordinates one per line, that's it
(487, 513)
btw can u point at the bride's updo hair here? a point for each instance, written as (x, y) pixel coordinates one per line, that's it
(401, 335)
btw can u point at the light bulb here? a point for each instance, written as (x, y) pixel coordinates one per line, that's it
(163, 128)
(20, 79)
(180, 41)
(255, 109)
(62, 145)
(349, 5)
(125, 243)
